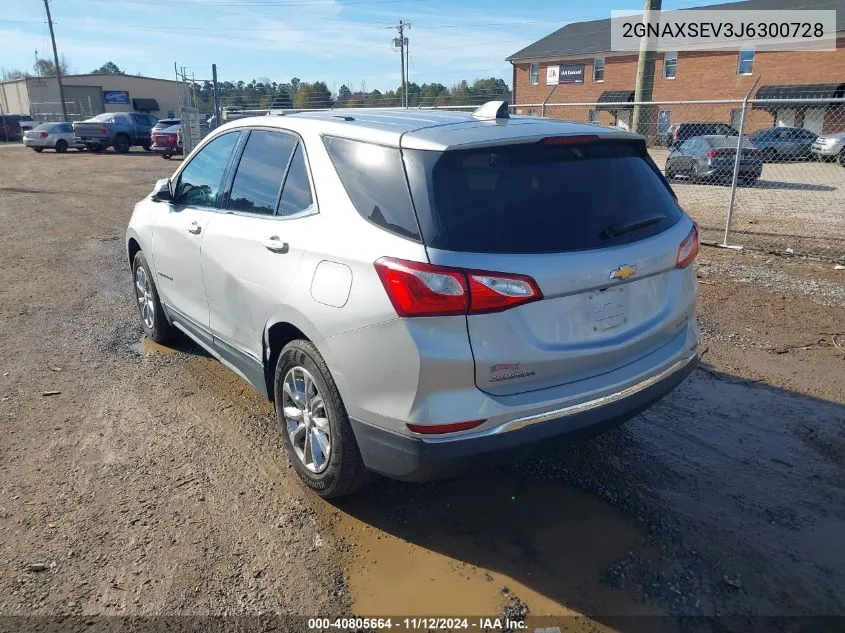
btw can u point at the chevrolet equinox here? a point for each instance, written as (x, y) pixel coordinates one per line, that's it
(423, 291)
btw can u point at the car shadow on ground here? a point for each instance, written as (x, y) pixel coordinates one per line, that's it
(724, 498)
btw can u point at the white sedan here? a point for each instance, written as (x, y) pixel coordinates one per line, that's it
(51, 135)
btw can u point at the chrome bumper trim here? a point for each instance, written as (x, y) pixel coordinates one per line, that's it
(581, 407)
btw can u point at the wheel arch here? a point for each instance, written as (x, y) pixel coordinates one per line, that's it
(282, 328)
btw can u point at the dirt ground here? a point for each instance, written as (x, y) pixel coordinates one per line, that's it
(138, 480)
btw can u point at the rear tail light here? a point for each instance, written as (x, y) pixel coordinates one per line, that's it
(431, 429)
(171, 138)
(688, 249)
(418, 289)
(44, 135)
(104, 131)
(712, 153)
(677, 130)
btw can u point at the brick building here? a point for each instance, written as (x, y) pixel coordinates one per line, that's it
(575, 65)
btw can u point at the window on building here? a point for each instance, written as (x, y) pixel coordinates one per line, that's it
(534, 74)
(745, 65)
(598, 69)
(595, 116)
(670, 64)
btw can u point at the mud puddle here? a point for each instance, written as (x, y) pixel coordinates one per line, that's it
(467, 547)
(146, 347)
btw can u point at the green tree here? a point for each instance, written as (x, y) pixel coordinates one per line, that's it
(109, 68)
(47, 68)
(343, 95)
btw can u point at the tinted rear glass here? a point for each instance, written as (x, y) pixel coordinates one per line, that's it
(533, 198)
(375, 182)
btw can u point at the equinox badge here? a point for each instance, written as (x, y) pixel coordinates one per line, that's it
(623, 272)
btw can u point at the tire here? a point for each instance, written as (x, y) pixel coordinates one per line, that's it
(121, 144)
(841, 158)
(167, 155)
(61, 146)
(146, 147)
(37, 150)
(157, 328)
(95, 148)
(343, 472)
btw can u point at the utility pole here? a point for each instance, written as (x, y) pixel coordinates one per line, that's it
(640, 119)
(56, 60)
(407, 47)
(216, 95)
(401, 43)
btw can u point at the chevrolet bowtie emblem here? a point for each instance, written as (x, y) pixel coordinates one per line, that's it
(623, 272)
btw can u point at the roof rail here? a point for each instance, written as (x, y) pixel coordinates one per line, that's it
(492, 110)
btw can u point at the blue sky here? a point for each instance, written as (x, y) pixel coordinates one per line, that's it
(337, 41)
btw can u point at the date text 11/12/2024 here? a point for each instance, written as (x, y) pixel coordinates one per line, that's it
(491, 624)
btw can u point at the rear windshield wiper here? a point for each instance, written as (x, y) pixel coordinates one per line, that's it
(615, 230)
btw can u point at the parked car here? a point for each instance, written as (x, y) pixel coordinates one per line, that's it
(783, 143)
(680, 132)
(167, 141)
(57, 136)
(26, 122)
(423, 292)
(712, 158)
(830, 147)
(120, 130)
(10, 126)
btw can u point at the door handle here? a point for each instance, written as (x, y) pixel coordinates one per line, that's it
(275, 245)
(194, 228)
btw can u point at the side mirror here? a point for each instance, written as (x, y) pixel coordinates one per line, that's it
(162, 191)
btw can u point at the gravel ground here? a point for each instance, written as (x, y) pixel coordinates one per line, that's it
(795, 205)
(141, 481)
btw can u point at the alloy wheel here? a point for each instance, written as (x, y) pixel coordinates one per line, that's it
(306, 419)
(144, 294)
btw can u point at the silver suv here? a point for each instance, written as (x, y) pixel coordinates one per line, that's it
(421, 292)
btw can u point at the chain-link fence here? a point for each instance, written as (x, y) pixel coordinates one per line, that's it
(785, 189)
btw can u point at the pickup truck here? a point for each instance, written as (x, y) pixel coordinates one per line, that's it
(120, 130)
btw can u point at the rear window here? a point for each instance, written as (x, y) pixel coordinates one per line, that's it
(44, 126)
(374, 179)
(536, 198)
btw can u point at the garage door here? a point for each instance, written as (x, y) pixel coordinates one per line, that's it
(814, 120)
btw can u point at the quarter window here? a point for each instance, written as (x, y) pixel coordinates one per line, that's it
(534, 74)
(670, 64)
(261, 171)
(199, 183)
(296, 195)
(374, 179)
(598, 69)
(745, 65)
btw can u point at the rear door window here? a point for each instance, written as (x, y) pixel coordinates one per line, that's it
(261, 171)
(540, 198)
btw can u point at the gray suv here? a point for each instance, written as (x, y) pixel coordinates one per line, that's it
(423, 292)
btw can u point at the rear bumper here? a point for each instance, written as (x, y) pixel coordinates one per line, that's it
(726, 171)
(38, 142)
(164, 149)
(417, 459)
